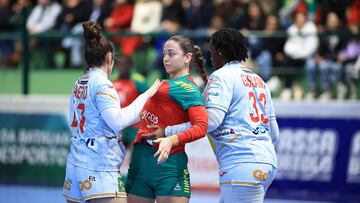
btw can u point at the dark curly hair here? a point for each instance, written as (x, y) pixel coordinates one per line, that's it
(96, 45)
(231, 43)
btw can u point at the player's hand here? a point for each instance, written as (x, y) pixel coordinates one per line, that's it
(165, 146)
(153, 89)
(157, 133)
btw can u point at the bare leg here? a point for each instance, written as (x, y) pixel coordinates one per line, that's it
(137, 199)
(171, 199)
(108, 200)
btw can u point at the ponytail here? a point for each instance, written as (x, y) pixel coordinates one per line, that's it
(200, 63)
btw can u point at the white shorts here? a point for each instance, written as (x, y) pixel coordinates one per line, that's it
(246, 182)
(83, 184)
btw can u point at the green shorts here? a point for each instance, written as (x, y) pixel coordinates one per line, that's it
(148, 179)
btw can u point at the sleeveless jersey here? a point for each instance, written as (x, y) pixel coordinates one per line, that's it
(94, 145)
(168, 106)
(244, 135)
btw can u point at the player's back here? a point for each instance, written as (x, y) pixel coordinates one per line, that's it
(244, 135)
(93, 93)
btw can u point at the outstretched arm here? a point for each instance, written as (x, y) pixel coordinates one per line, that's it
(120, 118)
(215, 116)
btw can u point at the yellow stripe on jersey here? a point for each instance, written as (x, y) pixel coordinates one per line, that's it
(212, 143)
(230, 141)
(240, 183)
(186, 86)
(107, 94)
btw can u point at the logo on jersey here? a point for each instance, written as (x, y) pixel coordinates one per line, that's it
(259, 129)
(87, 184)
(187, 87)
(121, 186)
(67, 185)
(150, 117)
(259, 174)
(177, 187)
(223, 173)
(227, 132)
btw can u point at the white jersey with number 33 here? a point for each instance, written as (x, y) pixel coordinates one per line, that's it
(244, 134)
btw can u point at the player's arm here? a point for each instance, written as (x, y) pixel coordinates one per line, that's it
(119, 118)
(215, 118)
(199, 121)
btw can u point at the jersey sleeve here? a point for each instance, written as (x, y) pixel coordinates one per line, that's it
(218, 92)
(186, 94)
(106, 97)
(140, 82)
(199, 121)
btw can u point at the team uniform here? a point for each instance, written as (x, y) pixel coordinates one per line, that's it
(177, 101)
(92, 169)
(243, 144)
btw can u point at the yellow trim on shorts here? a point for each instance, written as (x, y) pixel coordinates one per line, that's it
(107, 94)
(240, 183)
(117, 194)
(72, 198)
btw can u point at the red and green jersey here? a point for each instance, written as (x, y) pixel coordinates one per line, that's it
(170, 105)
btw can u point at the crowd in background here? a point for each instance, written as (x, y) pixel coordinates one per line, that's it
(316, 39)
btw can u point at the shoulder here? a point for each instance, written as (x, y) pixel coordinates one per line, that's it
(184, 85)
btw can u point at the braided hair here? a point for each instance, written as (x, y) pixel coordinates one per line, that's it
(231, 43)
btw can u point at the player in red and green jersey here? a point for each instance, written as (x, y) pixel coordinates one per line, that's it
(166, 178)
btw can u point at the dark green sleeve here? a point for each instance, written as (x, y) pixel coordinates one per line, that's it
(186, 94)
(140, 82)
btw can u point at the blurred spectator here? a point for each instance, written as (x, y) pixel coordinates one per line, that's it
(120, 21)
(6, 13)
(332, 39)
(172, 17)
(253, 20)
(353, 13)
(129, 85)
(272, 54)
(147, 15)
(215, 24)
(197, 14)
(43, 16)
(229, 11)
(350, 58)
(270, 6)
(41, 19)
(337, 6)
(6, 46)
(302, 43)
(101, 9)
(74, 12)
(287, 10)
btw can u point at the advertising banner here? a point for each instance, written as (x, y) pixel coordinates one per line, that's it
(33, 148)
(318, 150)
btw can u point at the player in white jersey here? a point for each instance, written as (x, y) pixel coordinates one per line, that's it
(96, 152)
(242, 121)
